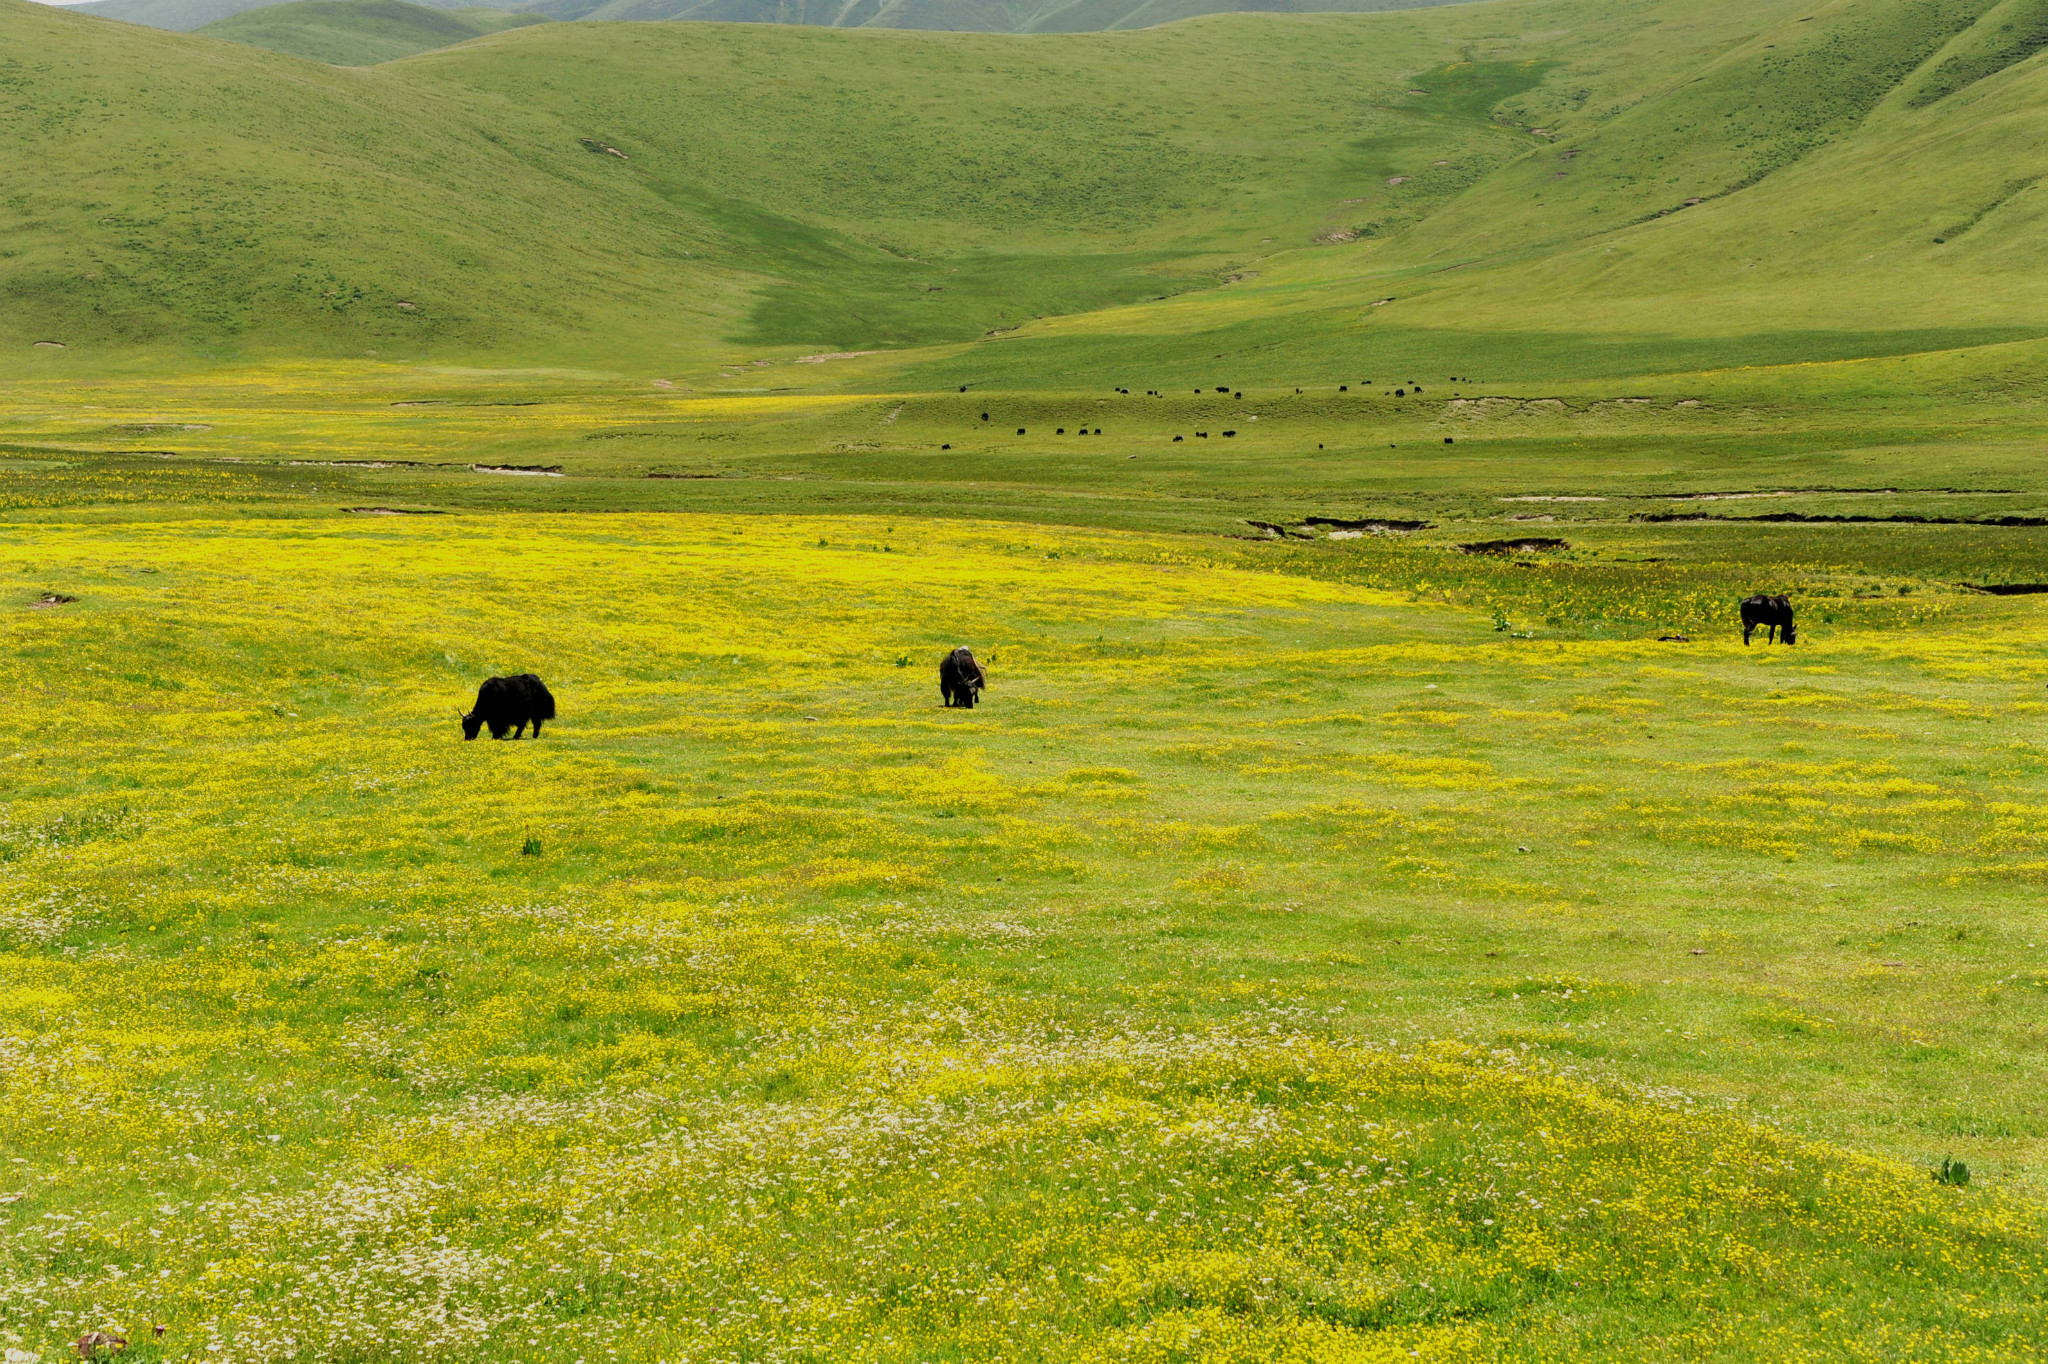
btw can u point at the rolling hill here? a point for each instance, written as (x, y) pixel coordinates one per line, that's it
(662, 188)
(953, 16)
(360, 32)
(1570, 185)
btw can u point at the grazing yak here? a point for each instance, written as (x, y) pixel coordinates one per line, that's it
(961, 679)
(509, 703)
(1773, 613)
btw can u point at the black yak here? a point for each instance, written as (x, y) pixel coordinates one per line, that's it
(509, 703)
(1773, 613)
(961, 679)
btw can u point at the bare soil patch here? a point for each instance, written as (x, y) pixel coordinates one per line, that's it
(1378, 525)
(1846, 518)
(1529, 544)
(1271, 531)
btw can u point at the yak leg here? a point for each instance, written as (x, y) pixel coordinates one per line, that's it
(536, 727)
(1747, 626)
(519, 730)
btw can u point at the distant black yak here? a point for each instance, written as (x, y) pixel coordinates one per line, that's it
(1773, 613)
(961, 679)
(509, 703)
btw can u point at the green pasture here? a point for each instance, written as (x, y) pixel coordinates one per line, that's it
(1381, 910)
(1276, 857)
(1668, 968)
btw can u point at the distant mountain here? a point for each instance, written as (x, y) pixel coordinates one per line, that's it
(187, 15)
(952, 16)
(360, 32)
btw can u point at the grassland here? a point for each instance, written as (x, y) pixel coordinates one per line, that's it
(1201, 978)
(1330, 941)
(1224, 887)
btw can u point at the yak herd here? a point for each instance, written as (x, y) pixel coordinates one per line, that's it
(507, 705)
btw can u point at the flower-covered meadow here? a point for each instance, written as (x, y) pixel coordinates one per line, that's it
(1274, 967)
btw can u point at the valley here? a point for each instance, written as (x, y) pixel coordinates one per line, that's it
(1380, 909)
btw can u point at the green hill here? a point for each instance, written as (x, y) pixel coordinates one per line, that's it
(953, 16)
(360, 32)
(243, 200)
(771, 185)
(1545, 186)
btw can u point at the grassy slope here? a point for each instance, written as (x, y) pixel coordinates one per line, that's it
(1906, 218)
(874, 226)
(887, 192)
(952, 16)
(1526, 163)
(316, 202)
(360, 32)
(959, 199)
